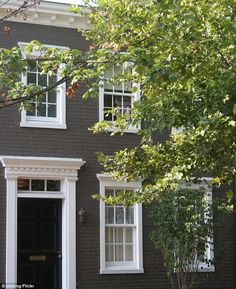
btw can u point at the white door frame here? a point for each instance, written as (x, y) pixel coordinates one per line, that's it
(63, 169)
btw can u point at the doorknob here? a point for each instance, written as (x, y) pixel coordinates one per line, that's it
(59, 255)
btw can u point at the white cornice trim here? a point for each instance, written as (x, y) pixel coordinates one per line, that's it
(41, 166)
(50, 13)
(109, 179)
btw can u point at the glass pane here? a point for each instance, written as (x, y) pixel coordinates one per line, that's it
(129, 253)
(119, 235)
(52, 96)
(117, 70)
(52, 110)
(117, 100)
(107, 115)
(109, 215)
(42, 79)
(32, 110)
(23, 185)
(52, 79)
(109, 235)
(128, 86)
(119, 254)
(108, 73)
(126, 101)
(118, 87)
(32, 65)
(109, 192)
(108, 86)
(119, 215)
(109, 253)
(129, 216)
(31, 77)
(108, 100)
(42, 98)
(128, 235)
(41, 109)
(37, 185)
(53, 186)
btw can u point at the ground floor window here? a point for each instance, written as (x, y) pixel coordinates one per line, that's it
(120, 231)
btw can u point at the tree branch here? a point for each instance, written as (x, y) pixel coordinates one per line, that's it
(32, 95)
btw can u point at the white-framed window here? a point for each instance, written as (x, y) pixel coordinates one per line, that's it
(205, 184)
(49, 109)
(120, 231)
(117, 96)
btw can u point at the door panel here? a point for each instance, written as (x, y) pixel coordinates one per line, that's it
(39, 242)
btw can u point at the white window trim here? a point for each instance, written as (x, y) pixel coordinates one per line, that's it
(136, 96)
(60, 121)
(206, 184)
(63, 169)
(108, 181)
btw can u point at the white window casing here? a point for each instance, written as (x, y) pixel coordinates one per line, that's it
(134, 263)
(59, 120)
(205, 184)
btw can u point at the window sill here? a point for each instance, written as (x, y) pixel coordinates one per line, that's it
(43, 125)
(207, 269)
(127, 270)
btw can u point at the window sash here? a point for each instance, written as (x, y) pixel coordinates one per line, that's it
(120, 245)
(56, 118)
(107, 186)
(46, 104)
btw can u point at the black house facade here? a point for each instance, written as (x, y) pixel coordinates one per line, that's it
(51, 231)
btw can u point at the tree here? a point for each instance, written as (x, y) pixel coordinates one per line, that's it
(184, 57)
(183, 229)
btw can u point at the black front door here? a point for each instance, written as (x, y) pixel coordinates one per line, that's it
(39, 242)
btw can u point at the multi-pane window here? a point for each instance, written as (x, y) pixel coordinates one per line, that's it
(38, 185)
(117, 96)
(203, 261)
(119, 232)
(47, 110)
(44, 106)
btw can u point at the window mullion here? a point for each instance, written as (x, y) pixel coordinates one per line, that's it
(124, 237)
(113, 244)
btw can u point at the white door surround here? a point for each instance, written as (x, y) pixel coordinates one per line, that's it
(63, 169)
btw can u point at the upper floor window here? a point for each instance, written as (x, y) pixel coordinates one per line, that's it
(117, 97)
(120, 231)
(47, 110)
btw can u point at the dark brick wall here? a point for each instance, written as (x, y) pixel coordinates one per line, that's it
(78, 142)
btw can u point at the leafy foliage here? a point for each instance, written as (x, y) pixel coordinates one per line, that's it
(183, 231)
(184, 57)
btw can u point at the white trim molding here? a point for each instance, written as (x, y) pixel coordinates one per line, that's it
(49, 13)
(136, 266)
(63, 169)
